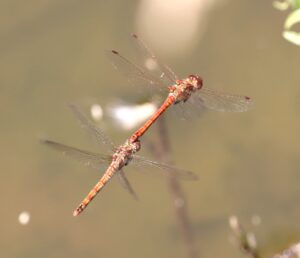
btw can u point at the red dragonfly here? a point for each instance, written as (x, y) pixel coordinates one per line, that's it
(119, 158)
(190, 89)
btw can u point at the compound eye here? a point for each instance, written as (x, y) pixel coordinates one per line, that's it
(197, 79)
(137, 145)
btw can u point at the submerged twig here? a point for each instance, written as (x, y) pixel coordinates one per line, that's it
(163, 152)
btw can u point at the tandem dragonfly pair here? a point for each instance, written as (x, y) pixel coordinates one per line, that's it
(189, 90)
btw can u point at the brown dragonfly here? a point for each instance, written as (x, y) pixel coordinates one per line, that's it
(120, 157)
(153, 72)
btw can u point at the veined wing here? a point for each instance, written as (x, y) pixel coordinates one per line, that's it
(165, 71)
(134, 73)
(94, 130)
(169, 170)
(125, 183)
(222, 102)
(91, 159)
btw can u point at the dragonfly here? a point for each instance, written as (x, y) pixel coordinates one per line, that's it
(119, 158)
(190, 89)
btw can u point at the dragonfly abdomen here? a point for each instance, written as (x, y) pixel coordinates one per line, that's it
(112, 169)
(168, 102)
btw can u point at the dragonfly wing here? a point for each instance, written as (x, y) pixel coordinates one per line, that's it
(222, 102)
(91, 159)
(169, 170)
(135, 74)
(125, 183)
(149, 56)
(94, 130)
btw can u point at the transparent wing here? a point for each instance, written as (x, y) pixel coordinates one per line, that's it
(186, 111)
(87, 124)
(91, 159)
(220, 101)
(125, 183)
(149, 56)
(169, 170)
(134, 73)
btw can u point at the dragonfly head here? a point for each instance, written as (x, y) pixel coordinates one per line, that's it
(136, 146)
(196, 81)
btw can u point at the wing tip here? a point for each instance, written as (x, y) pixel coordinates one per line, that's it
(134, 35)
(249, 103)
(114, 52)
(44, 140)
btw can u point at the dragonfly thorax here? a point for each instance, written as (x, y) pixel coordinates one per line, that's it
(125, 152)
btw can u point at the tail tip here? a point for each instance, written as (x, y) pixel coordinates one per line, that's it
(76, 213)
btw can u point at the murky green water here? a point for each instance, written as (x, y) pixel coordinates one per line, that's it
(248, 164)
